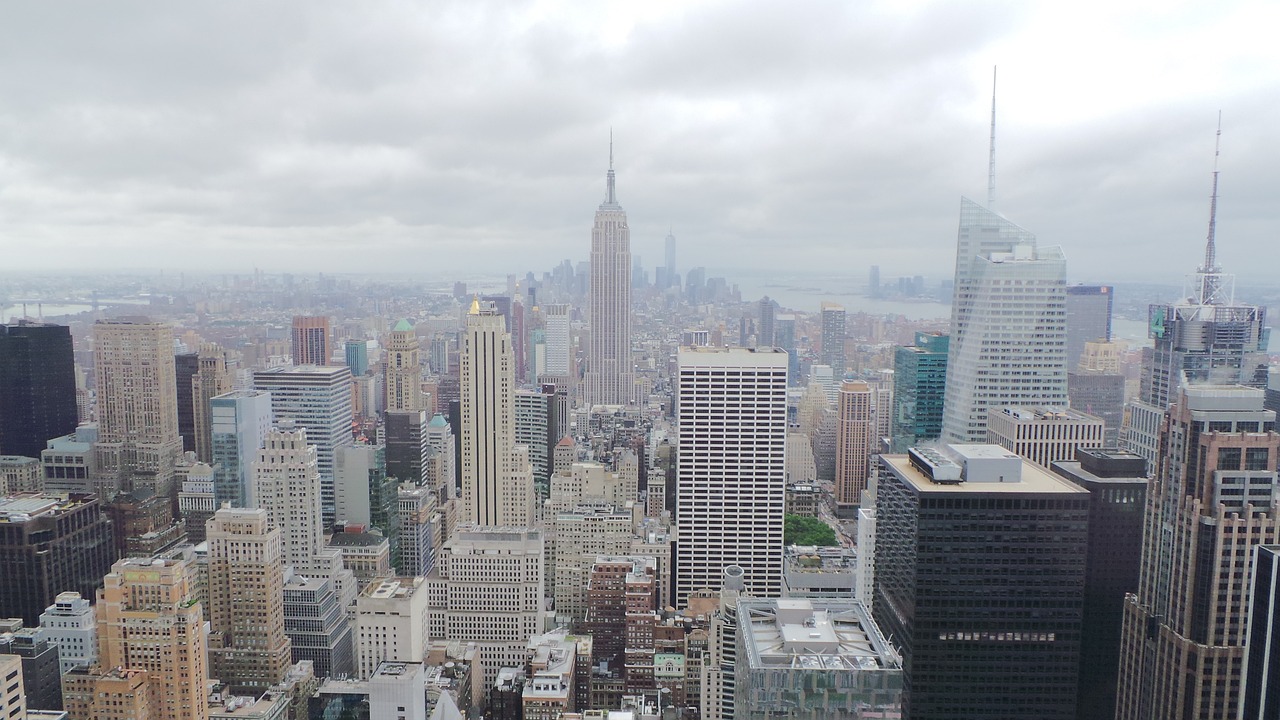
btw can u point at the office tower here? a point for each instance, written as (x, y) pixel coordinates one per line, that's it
(1260, 688)
(579, 536)
(441, 447)
(1088, 318)
(48, 545)
(765, 331)
(535, 422)
(497, 487)
(873, 282)
(828, 654)
(882, 410)
(919, 387)
(784, 336)
(407, 445)
(69, 462)
(138, 441)
(248, 649)
(669, 257)
(1117, 485)
(391, 623)
(559, 336)
(40, 675)
(403, 369)
(979, 570)
(365, 493)
(1043, 435)
(211, 380)
(718, 678)
(488, 588)
(107, 694)
(71, 624)
(1008, 324)
(20, 475)
(855, 442)
(197, 497)
(610, 378)
(310, 340)
(731, 477)
(833, 335)
(239, 422)
(612, 582)
(1212, 498)
(419, 530)
(316, 622)
(287, 485)
(317, 399)
(519, 328)
(440, 355)
(37, 387)
(149, 620)
(357, 354)
(185, 368)
(1096, 386)
(13, 696)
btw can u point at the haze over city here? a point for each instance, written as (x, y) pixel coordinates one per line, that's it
(473, 136)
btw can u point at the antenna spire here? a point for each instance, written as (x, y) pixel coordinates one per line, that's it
(991, 162)
(1210, 273)
(610, 197)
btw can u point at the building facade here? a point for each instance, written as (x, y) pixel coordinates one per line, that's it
(37, 386)
(855, 441)
(610, 378)
(309, 340)
(919, 387)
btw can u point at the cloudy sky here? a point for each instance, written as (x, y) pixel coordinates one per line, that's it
(473, 136)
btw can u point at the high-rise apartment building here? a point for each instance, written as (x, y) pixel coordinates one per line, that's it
(919, 387)
(310, 340)
(979, 570)
(248, 649)
(1008, 324)
(610, 378)
(731, 476)
(138, 441)
(1043, 435)
(1117, 485)
(535, 423)
(148, 619)
(49, 545)
(1088, 318)
(287, 486)
(239, 423)
(37, 387)
(1212, 499)
(404, 369)
(833, 336)
(855, 441)
(497, 483)
(392, 621)
(319, 400)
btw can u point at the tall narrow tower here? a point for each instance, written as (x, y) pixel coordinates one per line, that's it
(404, 369)
(310, 340)
(610, 379)
(497, 483)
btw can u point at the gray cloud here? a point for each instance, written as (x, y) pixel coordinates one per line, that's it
(471, 136)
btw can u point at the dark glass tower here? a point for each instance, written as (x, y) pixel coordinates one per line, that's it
(1261, 696)
(186, 366)
(37, 387)
(919, 386)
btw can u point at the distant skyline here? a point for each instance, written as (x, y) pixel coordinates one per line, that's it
(472, 137)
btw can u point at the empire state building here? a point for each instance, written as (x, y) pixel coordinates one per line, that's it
(610, 378)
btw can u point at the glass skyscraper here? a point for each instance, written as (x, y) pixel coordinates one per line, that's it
(919, 384)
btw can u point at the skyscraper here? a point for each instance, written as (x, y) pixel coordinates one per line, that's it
(669, 257)
(1261, 685)
(919, 386)
(854, 443)
(1008, 324)
(138, 442)
(211, 379)
(610, 377)
(37, 387)
(149, 619)
(979, 570)
(404, 369)
(731, 477)
(239, 426)
(765, 332)
(833, 335)
(310, 340)
(319, 400)
(357, 355)
(1088, 318)
(248, 649)
(1212, 499)
(497, 483)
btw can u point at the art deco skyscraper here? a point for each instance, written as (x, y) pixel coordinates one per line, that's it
(731, 478)
(497, 482)
(404, 370)
(211, 379)
(310, 340)
(248, 649)
(149, 619)
(610, 378)
(855, 442)
(37, 387)
(1008, 324)
(1212, 499)
(138, 441)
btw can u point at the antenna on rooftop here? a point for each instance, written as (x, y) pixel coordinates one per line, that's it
(991, 162)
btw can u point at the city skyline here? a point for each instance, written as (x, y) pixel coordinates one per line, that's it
(846, 143)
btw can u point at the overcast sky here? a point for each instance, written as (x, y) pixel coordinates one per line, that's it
(473, 136)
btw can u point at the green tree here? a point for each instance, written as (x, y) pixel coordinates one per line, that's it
(804, 530)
